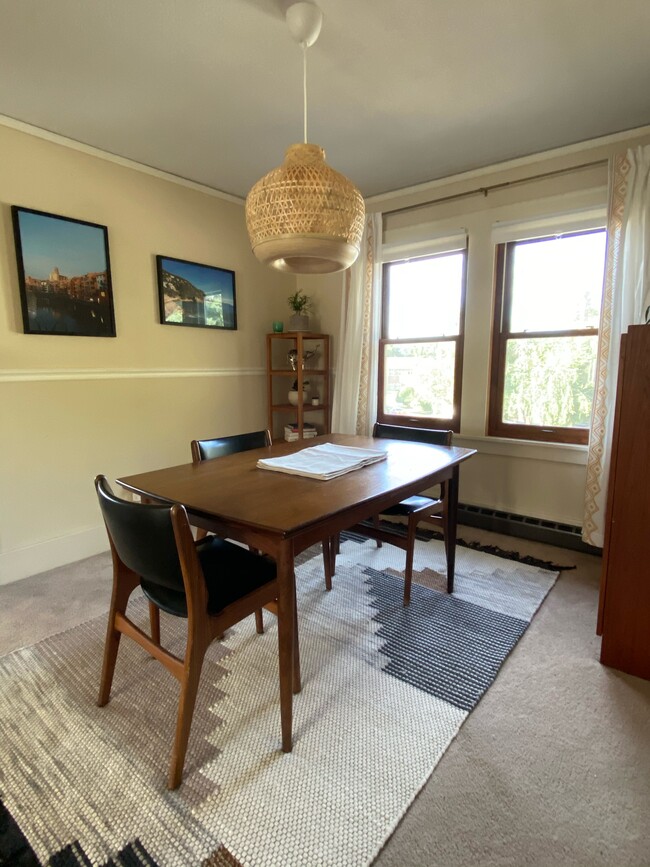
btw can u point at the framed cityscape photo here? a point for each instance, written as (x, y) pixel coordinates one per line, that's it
(64, 275)
(201, 296)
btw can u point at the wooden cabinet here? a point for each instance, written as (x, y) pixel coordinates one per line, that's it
(624, 610)
(311, 357)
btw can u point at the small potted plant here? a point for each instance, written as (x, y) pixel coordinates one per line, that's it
(301, 305)
(293, 394)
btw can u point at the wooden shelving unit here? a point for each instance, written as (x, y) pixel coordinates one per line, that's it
(280, 377)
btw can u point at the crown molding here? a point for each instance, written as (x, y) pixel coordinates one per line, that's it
(374, 203)
(55, 138)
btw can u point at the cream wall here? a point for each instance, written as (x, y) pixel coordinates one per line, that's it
(537, 479)
(76, 406)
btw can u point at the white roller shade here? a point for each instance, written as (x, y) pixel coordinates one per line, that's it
(552, 224)
(417, 241)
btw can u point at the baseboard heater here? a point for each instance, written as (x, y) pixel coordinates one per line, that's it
(525, 527)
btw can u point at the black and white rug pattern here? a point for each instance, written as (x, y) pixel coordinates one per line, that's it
(385, 690)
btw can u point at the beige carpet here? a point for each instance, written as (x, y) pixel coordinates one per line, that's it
(552, 767)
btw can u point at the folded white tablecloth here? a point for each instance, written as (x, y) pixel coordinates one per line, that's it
(325, 461)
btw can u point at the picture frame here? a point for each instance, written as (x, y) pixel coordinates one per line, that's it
(195, 295)
(64, 274)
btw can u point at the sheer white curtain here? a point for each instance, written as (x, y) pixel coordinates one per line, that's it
(354, 408)
(626, 297)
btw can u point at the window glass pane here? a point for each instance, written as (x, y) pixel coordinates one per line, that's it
(557, 282)
(549, 381)
(419, 379)
(424, 297)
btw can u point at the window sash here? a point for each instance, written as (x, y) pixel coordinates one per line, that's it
(458, 339)
(507, 283)
(500, 338)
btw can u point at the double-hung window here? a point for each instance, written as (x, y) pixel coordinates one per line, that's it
(421, 345)
(545, 336)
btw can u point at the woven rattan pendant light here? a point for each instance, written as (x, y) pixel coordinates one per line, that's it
(304, 217)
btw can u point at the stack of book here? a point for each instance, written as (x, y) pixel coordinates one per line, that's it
(326, 461)
(291, 432)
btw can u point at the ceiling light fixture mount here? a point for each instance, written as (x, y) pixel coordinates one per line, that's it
(304, 217)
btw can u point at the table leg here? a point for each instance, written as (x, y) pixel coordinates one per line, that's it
(450, 530)
(330, 550)
(286, 637)
(327, 562)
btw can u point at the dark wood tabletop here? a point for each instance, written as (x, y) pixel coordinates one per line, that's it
(233, 489)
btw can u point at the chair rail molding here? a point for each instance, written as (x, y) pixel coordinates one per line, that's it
(46, 375)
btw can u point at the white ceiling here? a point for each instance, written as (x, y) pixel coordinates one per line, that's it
(400, 91)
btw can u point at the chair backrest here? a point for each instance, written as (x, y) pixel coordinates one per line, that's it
(143, 537)
(413, 434)
(205, 450)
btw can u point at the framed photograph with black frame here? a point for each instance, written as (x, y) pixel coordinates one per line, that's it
(201, 296)
(64, 275)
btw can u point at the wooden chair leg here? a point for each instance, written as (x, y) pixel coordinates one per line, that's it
(445, 534)
(408, 568)
(154, 620)
(123, 586)
(331, 547)
(201, 533)
(375, 521)
(110, 657)
(186, 702)
(259, 622)
(445, 531)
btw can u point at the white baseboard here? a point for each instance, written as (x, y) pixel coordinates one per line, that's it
(23, 562)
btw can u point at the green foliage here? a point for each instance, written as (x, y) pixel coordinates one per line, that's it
(406, 396)
(549, 381)
(419, 379)
(299, 302)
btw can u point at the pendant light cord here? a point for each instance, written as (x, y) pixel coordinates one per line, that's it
(304, 88)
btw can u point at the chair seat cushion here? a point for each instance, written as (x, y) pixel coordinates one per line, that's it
(411, 504)
(230, 571)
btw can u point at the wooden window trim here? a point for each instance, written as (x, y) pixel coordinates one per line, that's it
(458, 339)
(500, 335)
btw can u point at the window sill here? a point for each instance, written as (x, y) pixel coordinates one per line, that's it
(561, 453)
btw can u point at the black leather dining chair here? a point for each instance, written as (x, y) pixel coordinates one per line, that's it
(205, 450)
(433, 510)
(219, 447)
(212, 583)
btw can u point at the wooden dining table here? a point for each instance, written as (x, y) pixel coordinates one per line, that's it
(282, 514)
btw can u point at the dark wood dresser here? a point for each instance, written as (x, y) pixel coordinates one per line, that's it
(624, 609)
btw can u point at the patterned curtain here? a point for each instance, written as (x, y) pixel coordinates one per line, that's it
(626, 295)
(354, 407)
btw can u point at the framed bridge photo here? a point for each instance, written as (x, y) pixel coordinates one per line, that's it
(64, 275)
(201, 296)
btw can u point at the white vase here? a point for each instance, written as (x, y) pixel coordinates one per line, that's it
(293, 396)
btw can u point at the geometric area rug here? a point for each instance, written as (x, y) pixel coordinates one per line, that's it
(385, 691)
